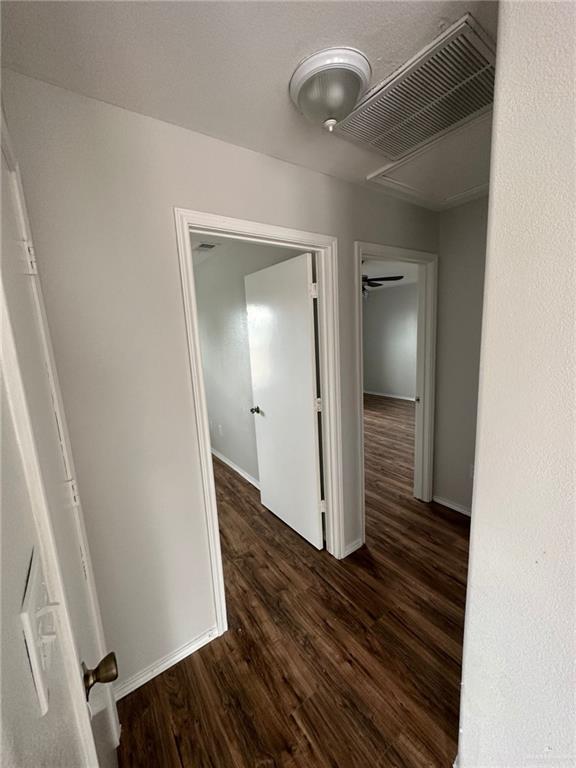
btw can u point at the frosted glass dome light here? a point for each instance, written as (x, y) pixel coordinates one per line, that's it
(326, 86)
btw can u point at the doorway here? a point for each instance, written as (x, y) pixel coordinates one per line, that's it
(257, 318)
(212, 228)
(421, 268)
(390, 339)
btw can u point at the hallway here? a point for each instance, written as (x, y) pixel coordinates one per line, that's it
(326, 663)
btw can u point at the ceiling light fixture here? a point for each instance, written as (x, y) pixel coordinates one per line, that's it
(326, 86)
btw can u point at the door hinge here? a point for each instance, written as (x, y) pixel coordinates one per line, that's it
(318, 405)
(313, 290)
(30, 258)
(323, 507)
(73, 492)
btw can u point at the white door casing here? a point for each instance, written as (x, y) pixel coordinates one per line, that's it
(31, 380)
(325, 247)
(34, 730)
(283, 364)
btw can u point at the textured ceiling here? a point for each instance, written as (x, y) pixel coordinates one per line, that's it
(222, 68)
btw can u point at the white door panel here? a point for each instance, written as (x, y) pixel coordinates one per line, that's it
(26, 738)
(283, 364)
(21, 306)
(21, 296)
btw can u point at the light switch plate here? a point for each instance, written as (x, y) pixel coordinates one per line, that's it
(39, 624)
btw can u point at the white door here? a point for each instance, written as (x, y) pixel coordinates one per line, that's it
(283, 363)
(40, 430)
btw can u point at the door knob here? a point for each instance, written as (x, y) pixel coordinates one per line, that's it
(105, 672)
(256, 409)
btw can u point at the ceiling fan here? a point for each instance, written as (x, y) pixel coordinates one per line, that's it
(376, 282)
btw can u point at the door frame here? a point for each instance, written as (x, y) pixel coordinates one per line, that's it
(47, 546)
(425, 359)
(18, 404)
(106, 702)
(325, 247)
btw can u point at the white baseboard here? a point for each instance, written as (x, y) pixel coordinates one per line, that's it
(387, 394)
(236, 468)
(452, 505)
(352, 547)
(163, 664)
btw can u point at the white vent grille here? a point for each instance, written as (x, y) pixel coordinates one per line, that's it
(448, 83)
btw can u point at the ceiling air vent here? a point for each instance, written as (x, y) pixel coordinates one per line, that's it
(448, 83)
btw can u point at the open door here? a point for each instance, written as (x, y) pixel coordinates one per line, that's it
(51, 581)
(284, 384)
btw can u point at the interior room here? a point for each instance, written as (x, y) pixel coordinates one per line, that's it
(390, 339)
(257, 321)
(219, 270)
(262, 502)
(390, 327)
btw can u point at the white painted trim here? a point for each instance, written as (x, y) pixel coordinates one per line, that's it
(390, 395)
(325, 248)
(79, 524)
(426, 361)
(200, 408)
(145, 675)
(381, 178)
(236, 468)
(467, 195)
(353, 546)
(49, 554)
(18, 405)
(453, 505)
(407, 192)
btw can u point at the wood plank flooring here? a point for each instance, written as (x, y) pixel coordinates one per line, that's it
(352, 663)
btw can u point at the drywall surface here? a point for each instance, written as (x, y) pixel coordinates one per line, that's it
(390, 326)
(27, 740)
(461, 261)
(518, 706)
(223, 325)
(101, 185)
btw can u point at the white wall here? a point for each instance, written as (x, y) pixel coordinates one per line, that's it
(223, 324)
(390, 329)
(101, 184)
(518, 705)
(461, 261)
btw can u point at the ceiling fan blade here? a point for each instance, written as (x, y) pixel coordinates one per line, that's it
(390, 277)
(377, 283)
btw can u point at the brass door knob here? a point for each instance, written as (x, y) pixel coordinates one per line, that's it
(105, 672)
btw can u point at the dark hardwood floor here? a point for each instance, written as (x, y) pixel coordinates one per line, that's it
(326, 663)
